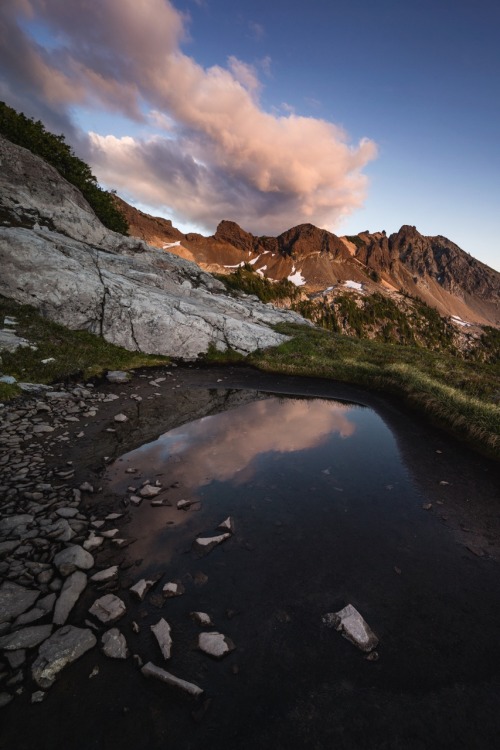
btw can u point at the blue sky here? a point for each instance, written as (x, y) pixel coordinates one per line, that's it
(353, 115)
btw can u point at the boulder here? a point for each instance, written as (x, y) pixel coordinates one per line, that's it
(65, 646)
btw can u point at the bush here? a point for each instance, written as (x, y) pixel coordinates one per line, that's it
(23, 131)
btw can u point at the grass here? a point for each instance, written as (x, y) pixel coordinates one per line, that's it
(75, 353)
(459, 396)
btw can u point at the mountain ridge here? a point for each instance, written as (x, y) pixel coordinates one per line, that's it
(433, 269)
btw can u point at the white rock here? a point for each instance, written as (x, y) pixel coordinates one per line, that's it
(215, 644)
(108, 608)
(149, 491)
(353, 627)
(114, 644)
(117, 376)
(121, 418)
(151, 670)
(173, 588)
(93, 542)
(141, 588)
(205, 544)
(105, 575)
(202, 619)
(227, 525)
(162, 633)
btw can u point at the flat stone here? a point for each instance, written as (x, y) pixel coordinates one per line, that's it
(12, 522)
(149, 491)
(108, 608)
(162, 633)
(353, 627)
(65, 646)
(151, 670)
(120, 418)
(71, 591)
(72, 558)
(16, 659)
(173, 588)
(206, 544)
(86, 487)
(215, 644)
(105, 575)
(67, 512)
(42, 609)
(114, 644)
(40, 428)
(25, 638)
(93, 542)
(117, 376)
(141, 588)
(227, 525)
(14, 600)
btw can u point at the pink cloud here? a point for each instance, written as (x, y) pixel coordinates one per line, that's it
(229, 157)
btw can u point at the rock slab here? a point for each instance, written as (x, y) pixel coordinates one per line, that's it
(62, 648)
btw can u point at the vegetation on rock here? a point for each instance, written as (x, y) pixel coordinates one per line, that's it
(245, 279)
(31, 134)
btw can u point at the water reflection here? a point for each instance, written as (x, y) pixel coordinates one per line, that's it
(225, 447)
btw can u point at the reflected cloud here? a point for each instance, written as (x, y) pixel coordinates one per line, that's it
(225, 447)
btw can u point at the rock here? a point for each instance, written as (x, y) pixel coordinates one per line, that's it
(154, 301)
(108, 608)
(151, 670)
(105, 575)
(206, 544)
(67, 512)
(5, 698)
(162, 633)
(71, 591)
(25, 638)
(14, 600)
(353, 627)
(141, 588)
(173, 588)
(184, 504)
(215, 644)
(43, 607)
(86, 487)
(121, 418)
(227, 525)
(201, 618)
(93, 542)
(149, 491)
(12, 522)
(40, 428)
(117, 376)
(65, 646)
(114, 644)
(72, 558)
(38, 696)
(16, 659)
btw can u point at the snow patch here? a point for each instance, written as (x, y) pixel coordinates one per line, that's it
(260, 271)
(238, 265)
(296, 277)
(171, 244)
(353, 285)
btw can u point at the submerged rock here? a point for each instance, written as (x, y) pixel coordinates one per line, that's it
(151, 670)
(353, 627)
(141, 588)
(63, 647)
(173, 588)
(117, 376)
(105, 575)
(202, 619)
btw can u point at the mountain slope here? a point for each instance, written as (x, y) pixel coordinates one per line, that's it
(432, 269)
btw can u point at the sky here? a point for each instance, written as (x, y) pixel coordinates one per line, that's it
(349, 114)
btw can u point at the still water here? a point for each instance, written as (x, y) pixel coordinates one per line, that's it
(325, 514)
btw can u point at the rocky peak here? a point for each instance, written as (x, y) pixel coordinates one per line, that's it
(233, 234)
(305, 239)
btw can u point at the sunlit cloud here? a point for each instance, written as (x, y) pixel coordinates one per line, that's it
(217, 153)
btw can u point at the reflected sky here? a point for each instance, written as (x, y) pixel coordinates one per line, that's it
(224, 447)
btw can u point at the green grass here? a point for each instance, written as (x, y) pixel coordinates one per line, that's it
(459, 396)
(75, 353)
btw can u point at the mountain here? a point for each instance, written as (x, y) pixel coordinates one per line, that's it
(432, 269)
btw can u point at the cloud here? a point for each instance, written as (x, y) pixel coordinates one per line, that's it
(217, 153)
